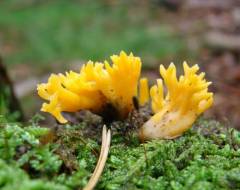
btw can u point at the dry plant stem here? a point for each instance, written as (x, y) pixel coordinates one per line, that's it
(106, 139)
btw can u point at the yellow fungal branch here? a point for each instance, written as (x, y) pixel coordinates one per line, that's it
(122, 84)
(143, 91)
(175, 112)
(96, 85)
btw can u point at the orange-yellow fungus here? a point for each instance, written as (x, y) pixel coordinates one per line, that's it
(175, 112)
(96, 85)
(143, 91)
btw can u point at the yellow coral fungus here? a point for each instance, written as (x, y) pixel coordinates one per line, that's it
(96, 85)
(62, 96)
(143, 91)
(122, 84)
(186, 98)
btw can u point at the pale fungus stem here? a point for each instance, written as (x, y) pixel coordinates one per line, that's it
(106, 139)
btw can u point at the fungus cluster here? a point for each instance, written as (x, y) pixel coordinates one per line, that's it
(176, 110)
(99, 84)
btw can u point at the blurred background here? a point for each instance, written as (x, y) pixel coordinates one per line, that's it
(38, 37)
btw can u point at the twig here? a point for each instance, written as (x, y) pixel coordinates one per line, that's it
(106, 139)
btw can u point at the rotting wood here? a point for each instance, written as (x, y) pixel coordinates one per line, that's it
(13, 102)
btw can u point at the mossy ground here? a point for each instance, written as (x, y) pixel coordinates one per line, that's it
(206, 157)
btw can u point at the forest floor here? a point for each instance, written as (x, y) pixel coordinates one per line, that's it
(42, 37)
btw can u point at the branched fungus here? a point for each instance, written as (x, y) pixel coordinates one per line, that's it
(175, 112)
(97, 85)
(101, 84)
(143, 91)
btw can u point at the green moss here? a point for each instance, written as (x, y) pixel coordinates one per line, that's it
(11, 177)
(190, 161)
(5, 96)
(206, 157)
